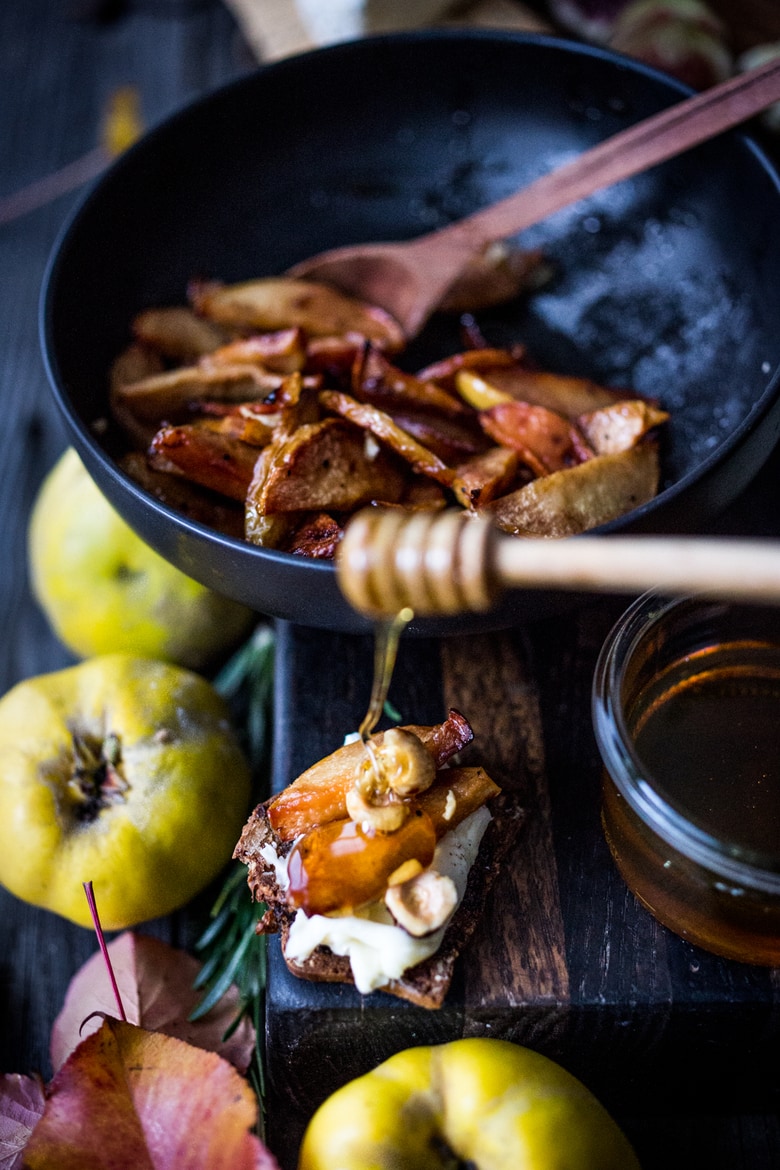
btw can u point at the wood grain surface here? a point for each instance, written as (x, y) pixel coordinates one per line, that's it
(648, 1021)
(564, 958)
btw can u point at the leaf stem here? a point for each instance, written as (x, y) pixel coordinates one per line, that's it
(102, 941)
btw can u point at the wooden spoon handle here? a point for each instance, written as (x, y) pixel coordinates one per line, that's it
(641, 146)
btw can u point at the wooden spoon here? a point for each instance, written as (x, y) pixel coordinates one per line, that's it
(410, 279)
(449, 562)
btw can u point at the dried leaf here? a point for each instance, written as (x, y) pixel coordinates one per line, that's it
(156, 985)
(130, 1099)
(21, 1107)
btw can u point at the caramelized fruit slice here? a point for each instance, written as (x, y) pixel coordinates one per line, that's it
(338, 867)
(319, 793)
(457, 793)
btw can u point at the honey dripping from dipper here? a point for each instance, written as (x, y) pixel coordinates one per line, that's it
(386, 638)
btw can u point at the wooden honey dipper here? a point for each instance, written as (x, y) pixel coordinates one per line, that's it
(449, 562)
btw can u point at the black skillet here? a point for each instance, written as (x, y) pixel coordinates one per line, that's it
(669, 283)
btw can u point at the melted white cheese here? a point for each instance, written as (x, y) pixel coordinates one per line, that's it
(278, 865)
(378, 950)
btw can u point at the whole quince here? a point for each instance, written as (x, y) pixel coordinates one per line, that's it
(122, 771)
(479, 1102)
(104, 589)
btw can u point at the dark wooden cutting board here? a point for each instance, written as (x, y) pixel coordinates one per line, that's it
(565, 959)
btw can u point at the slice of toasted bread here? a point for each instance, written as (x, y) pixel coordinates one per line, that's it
(425, 984)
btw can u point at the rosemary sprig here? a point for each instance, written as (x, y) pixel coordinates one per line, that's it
(233, 954)
(246, 683)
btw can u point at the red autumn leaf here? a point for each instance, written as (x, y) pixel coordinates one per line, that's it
(156, 988)
(129, 1099)
(21, 1106)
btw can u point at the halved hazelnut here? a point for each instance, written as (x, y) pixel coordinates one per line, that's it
(383, 814)
(422, 904)
(393, 769)
(407, 766)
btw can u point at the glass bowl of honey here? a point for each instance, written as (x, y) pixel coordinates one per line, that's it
(686, 713)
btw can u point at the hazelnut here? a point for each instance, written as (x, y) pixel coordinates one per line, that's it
(384, 814)
(422, 904)
(407, 766)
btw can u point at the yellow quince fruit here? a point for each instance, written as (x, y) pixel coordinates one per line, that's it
(104, 590)
(479, 1102)
(124, 772)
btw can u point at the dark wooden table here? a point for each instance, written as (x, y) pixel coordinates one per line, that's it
(680, 1045)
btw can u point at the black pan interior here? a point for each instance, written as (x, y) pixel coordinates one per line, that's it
(669, 283)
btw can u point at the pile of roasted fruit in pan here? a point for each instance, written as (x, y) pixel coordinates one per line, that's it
(275, 408)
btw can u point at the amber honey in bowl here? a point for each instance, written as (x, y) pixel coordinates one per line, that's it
(686, 708)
